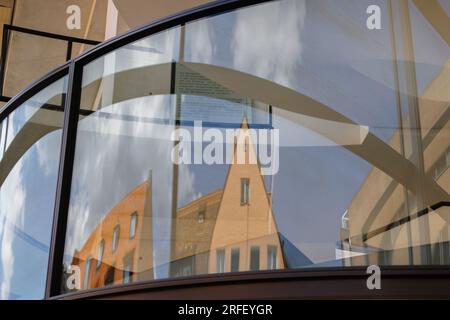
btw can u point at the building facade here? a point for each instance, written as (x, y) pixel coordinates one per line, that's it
(223, 231)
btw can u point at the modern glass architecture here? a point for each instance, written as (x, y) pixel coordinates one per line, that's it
(267, 149)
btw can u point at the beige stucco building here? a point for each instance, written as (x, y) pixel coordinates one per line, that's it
(30, 56)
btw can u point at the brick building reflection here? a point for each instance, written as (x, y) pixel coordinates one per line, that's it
(231, 229)
(120, 250)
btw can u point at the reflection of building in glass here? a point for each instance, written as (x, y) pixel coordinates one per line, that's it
(228, 230)
(194, 226)
(392, 223)
(363, 118)
(245, 232)
(119, 250)
(231, 229)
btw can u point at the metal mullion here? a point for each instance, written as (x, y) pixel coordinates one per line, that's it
(69, 50)
(5, 44)
(71, 111)
(395, 69)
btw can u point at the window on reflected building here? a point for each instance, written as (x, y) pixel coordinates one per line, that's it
(245, 191)
(115, 239)
(220, 260)
(109, 275)
(101, 250)
(271, 257)
(254, 258)
(128, 268)
(87, 273)
(235, 259)
(133, 225)
(201, 216)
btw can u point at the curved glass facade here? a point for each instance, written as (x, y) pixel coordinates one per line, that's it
(283, 135)
(29, 156)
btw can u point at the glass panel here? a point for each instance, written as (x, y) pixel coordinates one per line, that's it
(289, 134)
(350, 186)
(431, 110)
(30, 142)
(123, 173)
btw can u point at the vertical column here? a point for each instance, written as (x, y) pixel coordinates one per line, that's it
(173, 91)
(411, 126)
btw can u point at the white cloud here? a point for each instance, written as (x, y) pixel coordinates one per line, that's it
(267, 40)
